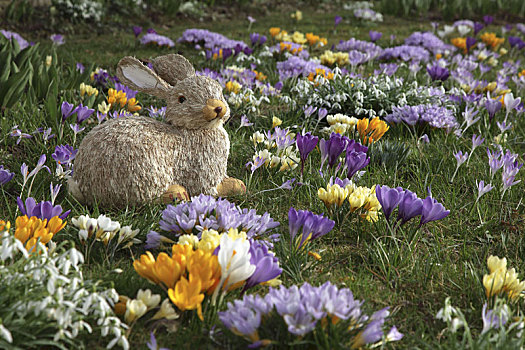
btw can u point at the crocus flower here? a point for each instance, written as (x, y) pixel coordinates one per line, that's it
(488, 19)
(374, 36)
(309, 110)
(245, 121)
(265, 262)
(313, 226)
(337, 20)
(389, 198)
(469, 42)
(510, 102)
(39, 166)
(57, 39)
(492, 107)
(355, 161)
(64, 154)
(437, 72)
(137, 30)
(321, 113)
(5, 175)
(494, 319)
(332, 148)
(67, 110)
(152, 344)
(83, 112)
(478, 27)
(482, 189)
(410, 206)
(305, 144)
(80, 67)
(432, 211)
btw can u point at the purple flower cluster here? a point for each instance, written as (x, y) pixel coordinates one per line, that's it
(83, 112)
(301, 308)
(313, 226)
(157, 39)
(101, 78)
(356, 157)
(359, 45)
(42, 210)
(428, 41)
(295, 66)
(406, 53)
(207, 212)
(436, 116)
(409, 205)
(15, 36)
(257, 39)
(508, 161)
(5, 175)
(211, 40)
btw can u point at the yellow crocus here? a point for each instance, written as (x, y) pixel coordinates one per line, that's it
(276, 122)
(274, 31)
(205, 266)
(187, 295)
(133, 106)
(333, 195)
(145, 267)
(168, 270)
(494, 263)
(4, 225)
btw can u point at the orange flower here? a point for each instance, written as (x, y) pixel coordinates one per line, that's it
(274, 31)
(31, 230)
(375, 127)
(133, 105)
(492, 40)
(460, 43)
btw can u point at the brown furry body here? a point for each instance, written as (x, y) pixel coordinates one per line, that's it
(137, 158)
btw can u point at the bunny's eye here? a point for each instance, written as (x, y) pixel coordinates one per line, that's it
(182, 99)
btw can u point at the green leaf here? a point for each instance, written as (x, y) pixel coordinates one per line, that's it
(15, 87)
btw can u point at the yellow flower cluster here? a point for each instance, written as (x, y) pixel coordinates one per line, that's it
(288, 47)
(298, 15)
(31, 230)
(233, 86)
(460, 43)
(88, 89)
(500, 280)
(371, 130)
(216, 55)
(320, 72)
(187, 274)
(363, 198)
(119, 98)
(492, 40)
(313, 39)
(340, 123)
(330, 58)
(260, 76)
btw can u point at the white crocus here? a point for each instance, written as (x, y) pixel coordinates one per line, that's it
(149, 299)
(234, 260)
(135, 309)
(166, 311)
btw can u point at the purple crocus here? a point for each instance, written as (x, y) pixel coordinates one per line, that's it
(488, 19)
(305, 143)
(313, 226)
(83, 112)
(432, 211)
(494, 319)
(80, 67)
(389, 198)
(374, 36)
(409, 207)
(58, 39)
(64, 154)
(309, 110)
(470, 41)
(266, 265)
(332, 148)
(492, 107)
(482, 189)
(355, 161)
(137, 30)
(438, 72)
(516, 41)
(42, 210)
(67, 110)
(478, 26)
(337, 20)
(5, 175)
(321, 113)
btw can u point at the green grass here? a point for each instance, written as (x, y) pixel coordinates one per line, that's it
(411, 275)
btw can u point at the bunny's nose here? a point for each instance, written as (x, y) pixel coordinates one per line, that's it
(214, 109)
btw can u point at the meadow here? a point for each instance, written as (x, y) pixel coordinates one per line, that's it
(381, 156)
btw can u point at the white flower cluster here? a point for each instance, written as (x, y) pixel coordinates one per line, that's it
(340, 124)
(247, 99)
(80, 9)
(49, 289)
(280, 150)
(104, 230)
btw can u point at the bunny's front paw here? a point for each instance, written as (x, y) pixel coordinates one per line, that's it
(175, 192)
(230, 187)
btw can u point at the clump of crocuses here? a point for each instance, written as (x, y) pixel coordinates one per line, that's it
(307, 313)
(409, 205)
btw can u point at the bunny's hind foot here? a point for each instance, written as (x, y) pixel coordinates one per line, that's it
(175, 192)
(230, 187)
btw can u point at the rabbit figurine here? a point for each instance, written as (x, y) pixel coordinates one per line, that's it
(134, 160)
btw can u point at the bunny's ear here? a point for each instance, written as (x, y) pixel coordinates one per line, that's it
(137, 76)
(173, 68)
